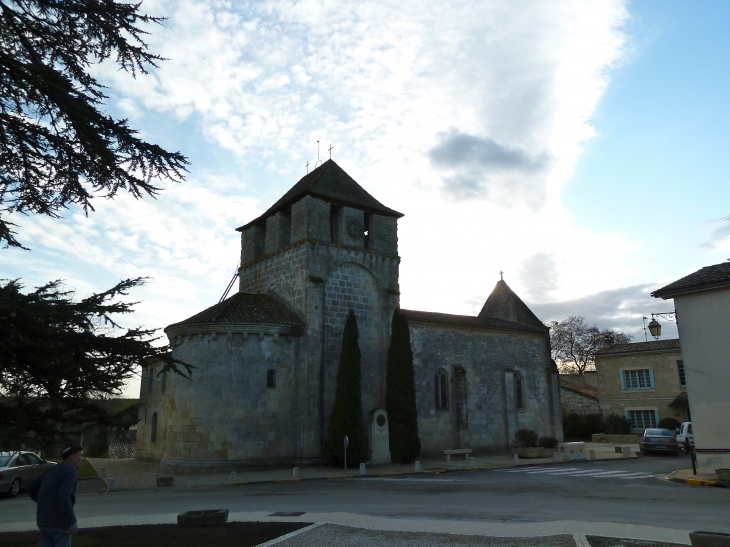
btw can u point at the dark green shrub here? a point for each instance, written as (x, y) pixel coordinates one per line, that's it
(99, 445)
(526, 438)
(668, 423)
(547, 442)
(347, 419)
(400, 393)
(615, 424)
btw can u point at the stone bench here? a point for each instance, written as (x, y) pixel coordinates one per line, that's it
(449, 453)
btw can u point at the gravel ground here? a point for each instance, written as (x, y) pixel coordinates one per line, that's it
(344, 536)
(131, 474)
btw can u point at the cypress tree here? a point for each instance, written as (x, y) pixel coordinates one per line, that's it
(400, 393)
(347, 418)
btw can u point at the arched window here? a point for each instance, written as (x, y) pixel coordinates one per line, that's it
(163, 385)
(441, 385)
(150, 379)
(271, 378)
(519, 399)
(153, 435)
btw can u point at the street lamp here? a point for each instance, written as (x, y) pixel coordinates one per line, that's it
(655, 327)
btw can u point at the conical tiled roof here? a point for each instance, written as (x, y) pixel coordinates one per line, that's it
(503, 303)
(330, 183)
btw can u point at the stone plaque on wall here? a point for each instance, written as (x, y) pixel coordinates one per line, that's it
(379, 437)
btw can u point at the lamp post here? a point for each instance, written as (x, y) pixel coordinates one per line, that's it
(655, 327)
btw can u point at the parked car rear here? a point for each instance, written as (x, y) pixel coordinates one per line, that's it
(18, 469)
(658, 440)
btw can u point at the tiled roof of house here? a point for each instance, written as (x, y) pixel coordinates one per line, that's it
(330, 183)
(576, 382)
(636, 347)
(468, 322)
(709, 277)
(245, 308)
(503, 303)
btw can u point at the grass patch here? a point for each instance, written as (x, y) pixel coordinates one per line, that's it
(86, 471)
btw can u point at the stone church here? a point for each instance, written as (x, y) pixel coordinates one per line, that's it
(266, 358)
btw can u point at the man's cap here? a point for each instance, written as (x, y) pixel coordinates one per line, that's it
(70, 450)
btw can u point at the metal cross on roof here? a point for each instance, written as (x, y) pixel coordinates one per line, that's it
(330, 150)
(501, 277)
(307, 166)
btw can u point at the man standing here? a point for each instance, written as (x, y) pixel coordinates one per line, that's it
(55, 494)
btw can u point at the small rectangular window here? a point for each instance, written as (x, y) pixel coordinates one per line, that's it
(271, 379)
(680, 370)
(642, 419)
(637, 379)
(150, 380)
(163, 384)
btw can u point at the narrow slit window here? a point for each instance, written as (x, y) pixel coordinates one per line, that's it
(519, 398)
(153, 434)
(271, 379)
(441, 385)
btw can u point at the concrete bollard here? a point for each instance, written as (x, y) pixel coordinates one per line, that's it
(233, 477)
(556, 456)
(295, 473)
(516, 459)
(592, 454)
(472, 462)
(418, 467)
(627, 452)
(363, 469)
(111, 485)
(102, 472)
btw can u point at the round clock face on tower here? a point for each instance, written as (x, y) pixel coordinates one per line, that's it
(355, 229)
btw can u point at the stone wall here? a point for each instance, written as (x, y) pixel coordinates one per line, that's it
(487, 419)
(576, 403)
(616, 400)
(225, 415)
(617, 439)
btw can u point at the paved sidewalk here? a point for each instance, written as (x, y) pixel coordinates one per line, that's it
(686, 476)
(131, 474)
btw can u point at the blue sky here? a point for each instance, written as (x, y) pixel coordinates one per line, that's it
(578, 146)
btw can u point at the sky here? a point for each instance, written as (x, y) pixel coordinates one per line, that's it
(578, 146)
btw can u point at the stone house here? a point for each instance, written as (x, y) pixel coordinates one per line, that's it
(642, 381)
(702, 304)
(578, 395)
(266, 358)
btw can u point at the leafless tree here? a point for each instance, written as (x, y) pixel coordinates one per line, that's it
(574, 343)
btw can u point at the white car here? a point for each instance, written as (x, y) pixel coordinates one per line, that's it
(685, 436)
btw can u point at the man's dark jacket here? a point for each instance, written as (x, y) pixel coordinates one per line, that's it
(55, 493)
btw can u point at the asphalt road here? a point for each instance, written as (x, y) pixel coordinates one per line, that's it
(623, 491)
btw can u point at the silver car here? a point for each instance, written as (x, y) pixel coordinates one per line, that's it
(18, 469)
(658, 440)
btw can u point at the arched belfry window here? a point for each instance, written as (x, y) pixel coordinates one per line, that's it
(519, 390)
(271, 378)
(153, 434)
(441, 386)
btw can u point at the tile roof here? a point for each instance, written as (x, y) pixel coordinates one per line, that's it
(503, 303)
(468, 321)
(637, 347)
(330, 183)
(245, 308)
(709, 277)
(577, 383)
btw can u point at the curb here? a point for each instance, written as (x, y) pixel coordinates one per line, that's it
(698, 482)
